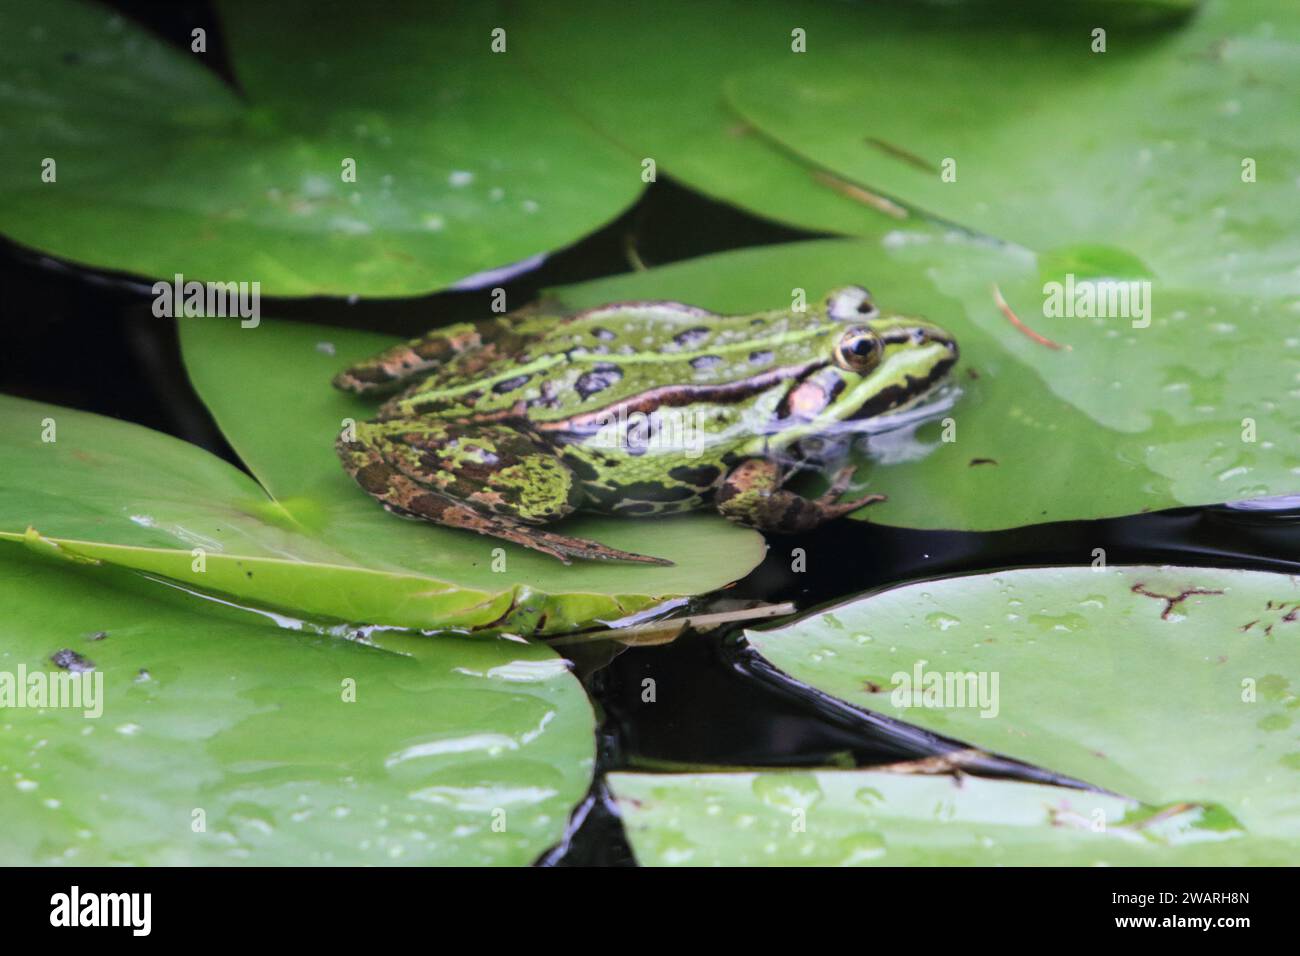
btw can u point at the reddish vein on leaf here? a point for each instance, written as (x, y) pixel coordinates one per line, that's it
(1015, 320)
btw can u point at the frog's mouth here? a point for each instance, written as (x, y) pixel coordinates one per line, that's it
(836, 442)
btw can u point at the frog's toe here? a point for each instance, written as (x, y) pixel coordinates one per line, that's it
(829, 502)
(752, 495)
(565, 547)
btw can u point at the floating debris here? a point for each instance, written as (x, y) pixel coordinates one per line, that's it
(70, 660)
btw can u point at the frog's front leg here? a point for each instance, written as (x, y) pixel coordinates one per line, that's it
(481, 477)
(751, 494)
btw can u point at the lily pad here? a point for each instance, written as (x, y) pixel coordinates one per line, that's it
(1196, 407)
(105, 490)
(661, 98)
(1163, 146)
(462, 163)
(664, 96)
(877, 818)
(223, 742)
(1161, 684)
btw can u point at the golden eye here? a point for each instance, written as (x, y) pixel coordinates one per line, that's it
(859, 350)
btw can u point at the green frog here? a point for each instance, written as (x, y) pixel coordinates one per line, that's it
(636, 408)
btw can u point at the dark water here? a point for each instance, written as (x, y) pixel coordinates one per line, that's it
(88, 340)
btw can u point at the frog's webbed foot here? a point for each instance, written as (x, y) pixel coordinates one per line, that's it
(427, 471)
(751, 494)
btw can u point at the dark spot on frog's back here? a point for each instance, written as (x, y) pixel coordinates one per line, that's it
(510, 384)
(601, 377)
(691, 337)
(705, 361)
(761, 357)
(583, 469)
(427, 505)
(652, 491)
(701, 476)
(605, 335)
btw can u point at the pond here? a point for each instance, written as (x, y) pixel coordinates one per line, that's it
(1124, 411)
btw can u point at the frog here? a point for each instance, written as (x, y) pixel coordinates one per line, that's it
(506, 425)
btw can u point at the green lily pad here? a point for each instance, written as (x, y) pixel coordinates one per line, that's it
(1197, 407)
(876, 818)
(462, 163)
(681, 118)
(110, 491)
(223, 742)
(1161, 684)
(1166, 146)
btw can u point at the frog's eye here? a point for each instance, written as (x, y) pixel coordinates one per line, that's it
(859, 350)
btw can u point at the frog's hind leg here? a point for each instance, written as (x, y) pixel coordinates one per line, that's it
(395, 367)
(751, 494)
(404, 466)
